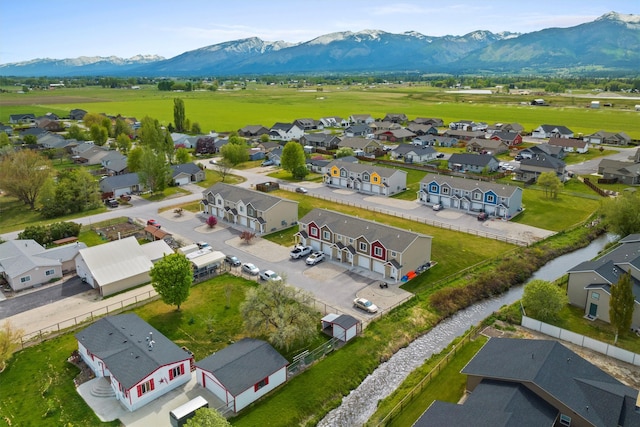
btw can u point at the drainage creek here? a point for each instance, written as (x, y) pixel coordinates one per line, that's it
(361, 403)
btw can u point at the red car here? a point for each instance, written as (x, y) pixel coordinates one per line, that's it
(153, 222)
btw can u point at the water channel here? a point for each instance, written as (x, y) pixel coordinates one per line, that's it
(361, 403)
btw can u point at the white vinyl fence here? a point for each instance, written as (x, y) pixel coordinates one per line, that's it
(581, 340)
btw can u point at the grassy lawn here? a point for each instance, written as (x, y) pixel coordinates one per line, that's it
(574, 158)
(165, 194)
(447, 385)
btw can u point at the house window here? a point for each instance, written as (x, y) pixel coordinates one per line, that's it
(565, 420)
(393, 254)
(219, 201)
(146, 387)
(433, 188)
(326, 235)
(49, 272)
(365, 177)
(363, 247)
(477, 196)
(445, 190)
(25, 279)
(251, 211)
(176, 372)
(595, 295)
(261, 384)
(350, 240)
(343, 172)
(377, 251)
(241, 208)
(491, 198)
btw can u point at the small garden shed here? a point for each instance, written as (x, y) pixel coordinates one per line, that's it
(341, 326)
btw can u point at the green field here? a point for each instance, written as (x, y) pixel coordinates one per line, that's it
(260, 104)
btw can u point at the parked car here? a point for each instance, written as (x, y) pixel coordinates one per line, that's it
(300, 251)
(267, 163)
(112, 203)
(315, 258)
(301, 190)
(422, 268)
(270, 275)
(440, 155)
(153, 222)
(202, 245)
(125, 197)
(232, 260)
(365, 304)
(437, 207)
(483, 216)
(251, 269)
(518, 158)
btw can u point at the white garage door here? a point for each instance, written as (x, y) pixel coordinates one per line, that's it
(363, 262)
(315, 245)
(327, 249)
(182, 181)
(378, 267)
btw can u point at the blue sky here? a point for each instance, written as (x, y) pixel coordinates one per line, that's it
(71, 28)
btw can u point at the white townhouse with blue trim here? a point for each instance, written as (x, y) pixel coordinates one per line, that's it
(470, 195)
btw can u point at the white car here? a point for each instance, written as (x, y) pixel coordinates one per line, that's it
(270, 276)
(251, 269)
(365, 304)
(315, 258)
(300, 251)
(437, 207)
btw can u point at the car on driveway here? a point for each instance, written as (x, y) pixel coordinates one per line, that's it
(112, 203)
(301, 190)
(483, 216)
(437, 207)
(440, 155)
(270, 276)
(365, 304)
(267, 163)
(153, 222)
(300, 251)
(251, 269)
(233, 261)
(315, 258)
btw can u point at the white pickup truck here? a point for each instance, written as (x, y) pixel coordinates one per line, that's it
(300, 252)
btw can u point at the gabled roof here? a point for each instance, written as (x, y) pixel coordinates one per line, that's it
(358, 143)
(567, 142)
(121, 342)
(393, 238)
(243, 364)
(188, 168)
(472, 159)
(418, 150)
(115, 182)
(543, 161)
(562, 130)
(20, 256)
(361, 168)
(589, 392)
(468, 184)
(232, 193)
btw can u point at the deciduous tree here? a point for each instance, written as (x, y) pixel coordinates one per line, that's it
(134, 159)
(222, 167)
(182, 156)
(621, 305)
(212, 221)
(23, 174)
(279, 312)
(234, 154)
(622, 214)
(543, 299)
(207, 417)
(9, 342)
(172, 277)
(121, 127)
(178, 114)
(344, 152)
(123, 142)
(4, 139)
(99, 135)
(154, 171)
(292, 156)
(551, 183)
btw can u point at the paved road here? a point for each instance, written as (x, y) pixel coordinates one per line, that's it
(591, 166)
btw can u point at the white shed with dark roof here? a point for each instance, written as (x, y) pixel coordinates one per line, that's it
(341, 326)
(242, 372)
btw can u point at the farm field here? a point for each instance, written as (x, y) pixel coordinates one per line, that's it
(225, 111)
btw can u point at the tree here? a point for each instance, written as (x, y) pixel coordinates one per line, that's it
(178, 114)
(182, 156)
(151, 134)
(74, 132)
(279, 312)
(30, 139)
(134, 159)
(91, 119)
(551, 183)
(154, 171)
(206, 417)
(234, 154)
(621, 305)
(99, 135)
(222, 167)
(23, 174)
(264, 137)
(75, 190)
(247, 236)
(121, 128)
(123, 143)
(9, 339)
(622, 214)
(212, 221)
(344, 152)
(543, 299)
(195, 128)
(172, 277)
(292, 156)
(4, 139)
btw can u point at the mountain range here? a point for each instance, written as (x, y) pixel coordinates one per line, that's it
(608, 45)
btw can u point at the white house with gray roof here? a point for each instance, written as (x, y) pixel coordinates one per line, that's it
(471, 195)
(242, 373)
(25, 263)
(139, 362)
(186, 173)
(392, 252)
(365, 178)
(252, 209)
(121, 184)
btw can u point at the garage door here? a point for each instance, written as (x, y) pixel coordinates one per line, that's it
(182, 181)
(327, 249)
(378, 267)
(315, 245)
(363, 262)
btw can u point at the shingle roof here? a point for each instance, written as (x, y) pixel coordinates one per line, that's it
(360, 168)
(259, 200)
(20, 256)
(502, 190)
(590, 392)
(395, 239)
(188, 168)
(241, 365)
(121, 342)
(115, 182)
(472, 159)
